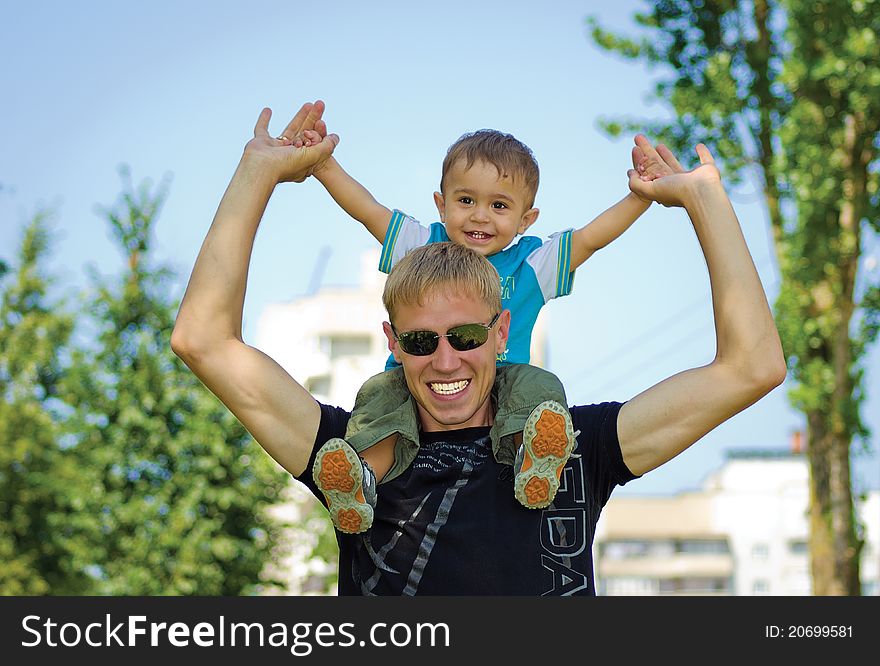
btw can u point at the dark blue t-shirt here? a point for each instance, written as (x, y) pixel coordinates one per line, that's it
(450, 524)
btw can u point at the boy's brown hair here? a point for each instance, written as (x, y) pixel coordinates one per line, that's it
(503, 151)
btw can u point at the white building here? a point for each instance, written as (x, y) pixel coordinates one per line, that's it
(330, 341)
(744, 533)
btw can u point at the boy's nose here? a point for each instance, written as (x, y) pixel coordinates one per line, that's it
(480, 214)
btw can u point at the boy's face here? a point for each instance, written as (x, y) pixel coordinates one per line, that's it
(482, 209)
(451, 388)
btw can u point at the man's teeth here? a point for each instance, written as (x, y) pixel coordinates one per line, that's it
(449, 389)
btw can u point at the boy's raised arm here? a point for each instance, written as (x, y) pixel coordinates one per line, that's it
(610, 224)
(278, 412)
(354, 198)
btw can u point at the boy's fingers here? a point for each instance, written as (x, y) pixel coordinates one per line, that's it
(667, 156)
(311, 137)
(262, 127)
(638, 157)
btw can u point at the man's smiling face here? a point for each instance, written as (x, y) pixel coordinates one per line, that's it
(451, 388)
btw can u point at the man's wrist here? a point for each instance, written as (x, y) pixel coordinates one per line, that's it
(703, 191)
(257, 169)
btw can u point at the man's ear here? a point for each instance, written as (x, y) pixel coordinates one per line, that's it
(440, 202)
(528, 219)
(392, 340)
(502, 332)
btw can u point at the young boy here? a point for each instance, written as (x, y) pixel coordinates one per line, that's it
(487, 191)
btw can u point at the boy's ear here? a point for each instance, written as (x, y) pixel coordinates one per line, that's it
(440, 202)
(392, 340)
(528, 219)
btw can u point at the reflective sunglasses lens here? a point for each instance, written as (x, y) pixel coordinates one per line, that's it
(419, 343)
(468, 336)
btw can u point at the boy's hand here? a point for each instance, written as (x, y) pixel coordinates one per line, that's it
(312, 137)
(287, 162)
(658, 176)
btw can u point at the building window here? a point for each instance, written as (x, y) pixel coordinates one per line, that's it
(760, 587)
(760, 552)
(344, 345)
(702, 547)
(695, 585)
(798, 547)
(319, 385)
(624, 550)
(624, 586)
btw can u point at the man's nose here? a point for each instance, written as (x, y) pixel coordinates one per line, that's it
(445, 359)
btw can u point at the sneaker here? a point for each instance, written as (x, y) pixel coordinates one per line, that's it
(548, 440)
(348, 485)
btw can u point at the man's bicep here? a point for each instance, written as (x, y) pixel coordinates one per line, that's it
(279, 413)
(661, 422)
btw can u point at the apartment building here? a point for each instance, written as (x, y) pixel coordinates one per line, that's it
(743, 533)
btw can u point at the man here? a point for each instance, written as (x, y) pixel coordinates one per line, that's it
(448, 524)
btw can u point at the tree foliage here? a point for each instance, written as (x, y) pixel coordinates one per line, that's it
(119, 472)
(788, 91)
(41, 483)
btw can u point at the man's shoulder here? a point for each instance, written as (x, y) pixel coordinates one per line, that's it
(594, 416)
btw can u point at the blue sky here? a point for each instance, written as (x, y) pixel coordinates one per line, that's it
(175, 88)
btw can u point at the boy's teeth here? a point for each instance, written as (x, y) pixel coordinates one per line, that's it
(479, 234)
(449, 389)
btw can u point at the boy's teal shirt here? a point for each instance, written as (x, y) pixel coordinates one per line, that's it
(531, 271)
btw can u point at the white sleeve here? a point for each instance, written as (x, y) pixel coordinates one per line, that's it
(552, 265)
(404, 233)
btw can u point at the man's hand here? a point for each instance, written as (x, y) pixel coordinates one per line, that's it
(658, 176)
(287, 161)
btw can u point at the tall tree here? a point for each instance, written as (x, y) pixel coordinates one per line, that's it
(184, 489)
(41, 482)
(790, 91)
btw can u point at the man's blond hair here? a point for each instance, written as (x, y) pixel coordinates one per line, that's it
(503, 151)
(441, 268)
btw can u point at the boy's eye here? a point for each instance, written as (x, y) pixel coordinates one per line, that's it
(499, 205)
(466, 200)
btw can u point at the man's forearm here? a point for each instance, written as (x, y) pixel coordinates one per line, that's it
(745, 331)
(214, 300)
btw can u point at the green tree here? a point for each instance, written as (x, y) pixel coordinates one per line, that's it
(42, 532)
(790, 91)
(184, 489)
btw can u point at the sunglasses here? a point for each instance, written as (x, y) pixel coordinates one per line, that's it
(461, 338)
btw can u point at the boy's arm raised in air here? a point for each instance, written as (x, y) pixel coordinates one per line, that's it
(354, 198)
(610, 224)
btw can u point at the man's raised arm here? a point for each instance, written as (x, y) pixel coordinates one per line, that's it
(280, 414)
(662, 421)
